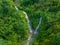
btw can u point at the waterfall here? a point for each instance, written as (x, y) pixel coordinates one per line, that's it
(32, 32)
(29, 23)
(16, 7)
(36, 30)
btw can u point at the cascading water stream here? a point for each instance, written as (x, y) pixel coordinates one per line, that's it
(32, 32)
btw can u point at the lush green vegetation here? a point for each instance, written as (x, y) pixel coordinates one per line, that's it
(13, 24)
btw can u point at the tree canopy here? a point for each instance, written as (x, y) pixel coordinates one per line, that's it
(14, 26)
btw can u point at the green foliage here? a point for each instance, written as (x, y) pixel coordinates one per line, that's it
(49, 10)
(13, 25)
(3, 42)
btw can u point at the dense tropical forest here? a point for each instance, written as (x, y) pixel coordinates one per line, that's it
(29, 22)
